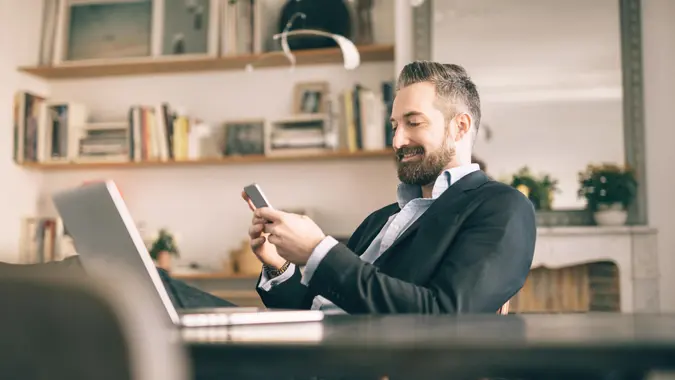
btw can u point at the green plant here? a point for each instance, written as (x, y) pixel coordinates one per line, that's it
(539, 190)
(607, 184)
(165, 242)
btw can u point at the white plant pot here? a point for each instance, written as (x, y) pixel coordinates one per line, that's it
(612, 216)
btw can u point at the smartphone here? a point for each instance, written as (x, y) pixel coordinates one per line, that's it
(256, 195)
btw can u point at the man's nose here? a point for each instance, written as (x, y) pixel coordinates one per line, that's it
(400, 138)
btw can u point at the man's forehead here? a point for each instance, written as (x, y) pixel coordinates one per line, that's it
(418, 95)
(412, 103)
(408, 113)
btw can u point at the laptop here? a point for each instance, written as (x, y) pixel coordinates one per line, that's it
(103, 231)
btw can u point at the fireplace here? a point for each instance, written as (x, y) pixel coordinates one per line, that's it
(589, 269)
(576, 289)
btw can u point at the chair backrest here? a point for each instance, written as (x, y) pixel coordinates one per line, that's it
(59, 328)
(504, 310)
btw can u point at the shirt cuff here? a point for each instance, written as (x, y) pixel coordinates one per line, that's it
(315, 258)
(267, 283)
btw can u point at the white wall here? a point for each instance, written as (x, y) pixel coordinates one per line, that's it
(549, 76)
(659, 59)
(18, 46)
(203, 205)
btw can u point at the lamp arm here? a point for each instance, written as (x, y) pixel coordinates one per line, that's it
(304, 32)
(350, 54)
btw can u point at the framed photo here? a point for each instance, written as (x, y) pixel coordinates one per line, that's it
(102, 30)
(244, 137)
(188, 28)
(310, 97)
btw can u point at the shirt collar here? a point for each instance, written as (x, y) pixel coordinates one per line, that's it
(406, 193)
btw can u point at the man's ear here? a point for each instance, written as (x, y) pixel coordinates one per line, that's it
(463, 121)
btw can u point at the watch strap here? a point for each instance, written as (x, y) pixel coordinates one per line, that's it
(274, 272)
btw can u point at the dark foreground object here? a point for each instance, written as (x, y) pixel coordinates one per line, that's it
(579, 346)
(182, 295)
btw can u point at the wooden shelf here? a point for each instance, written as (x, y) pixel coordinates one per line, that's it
(235, 160)
(163, 65)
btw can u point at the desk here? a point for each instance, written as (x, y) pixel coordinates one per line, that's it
(574, 346)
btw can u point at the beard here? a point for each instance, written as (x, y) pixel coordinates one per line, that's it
(426, 170)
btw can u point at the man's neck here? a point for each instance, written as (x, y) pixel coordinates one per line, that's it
(427, 190)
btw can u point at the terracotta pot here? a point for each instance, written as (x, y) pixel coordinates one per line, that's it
(164, 260)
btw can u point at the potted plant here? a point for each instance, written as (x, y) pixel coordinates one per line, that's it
(163, 248)
(609, 189)
(538, 190)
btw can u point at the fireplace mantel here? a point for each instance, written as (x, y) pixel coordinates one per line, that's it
(632, 248)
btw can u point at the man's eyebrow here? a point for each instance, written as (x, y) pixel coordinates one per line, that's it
(413, 113)
(409, 114)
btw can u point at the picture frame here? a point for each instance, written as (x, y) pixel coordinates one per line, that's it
(90, 31)
(244, 137)
(297, 135)
(188, 28)
(310, 98)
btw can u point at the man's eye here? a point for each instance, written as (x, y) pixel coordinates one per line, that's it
(413, 123)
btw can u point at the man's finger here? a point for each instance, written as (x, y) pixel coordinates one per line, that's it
(257, 242)
(248, 201)
(255, 230)
(269, 228)
(274, 239)
(257, 220)
(268, 213)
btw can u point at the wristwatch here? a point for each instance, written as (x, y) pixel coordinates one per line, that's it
(274, 272)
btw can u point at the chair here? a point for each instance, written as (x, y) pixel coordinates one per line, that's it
(504, 310)
(87, 328)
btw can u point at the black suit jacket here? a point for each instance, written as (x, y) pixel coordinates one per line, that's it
(470, 252)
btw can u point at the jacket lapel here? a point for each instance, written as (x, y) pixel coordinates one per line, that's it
(446, 203)
(372, 232)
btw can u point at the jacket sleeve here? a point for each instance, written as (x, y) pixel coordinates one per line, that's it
(291, 293)
(485, 265)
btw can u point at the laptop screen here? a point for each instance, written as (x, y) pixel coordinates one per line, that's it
(104, 232)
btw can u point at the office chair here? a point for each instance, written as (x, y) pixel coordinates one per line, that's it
(57, 328)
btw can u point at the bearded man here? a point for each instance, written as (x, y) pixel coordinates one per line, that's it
(454, 242)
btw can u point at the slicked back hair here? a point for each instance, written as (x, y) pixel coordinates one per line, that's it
(453, 85)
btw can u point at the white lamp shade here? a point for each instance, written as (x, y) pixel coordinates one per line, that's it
(350, 54)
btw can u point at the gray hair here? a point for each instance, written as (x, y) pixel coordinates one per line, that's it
(453, 85)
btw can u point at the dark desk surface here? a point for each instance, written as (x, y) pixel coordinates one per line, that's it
(427, 346)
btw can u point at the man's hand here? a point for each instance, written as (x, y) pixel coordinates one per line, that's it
(295, 236)
(263, 249)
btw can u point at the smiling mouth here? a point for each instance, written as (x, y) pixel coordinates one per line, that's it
(410, 157)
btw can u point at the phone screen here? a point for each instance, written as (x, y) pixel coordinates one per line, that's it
(256, 195)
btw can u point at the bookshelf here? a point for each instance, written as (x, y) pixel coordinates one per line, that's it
(148, 66)
(235, 160)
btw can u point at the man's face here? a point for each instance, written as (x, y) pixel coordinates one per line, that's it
(422, 142)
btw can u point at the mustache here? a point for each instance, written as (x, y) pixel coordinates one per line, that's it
(400, 153)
